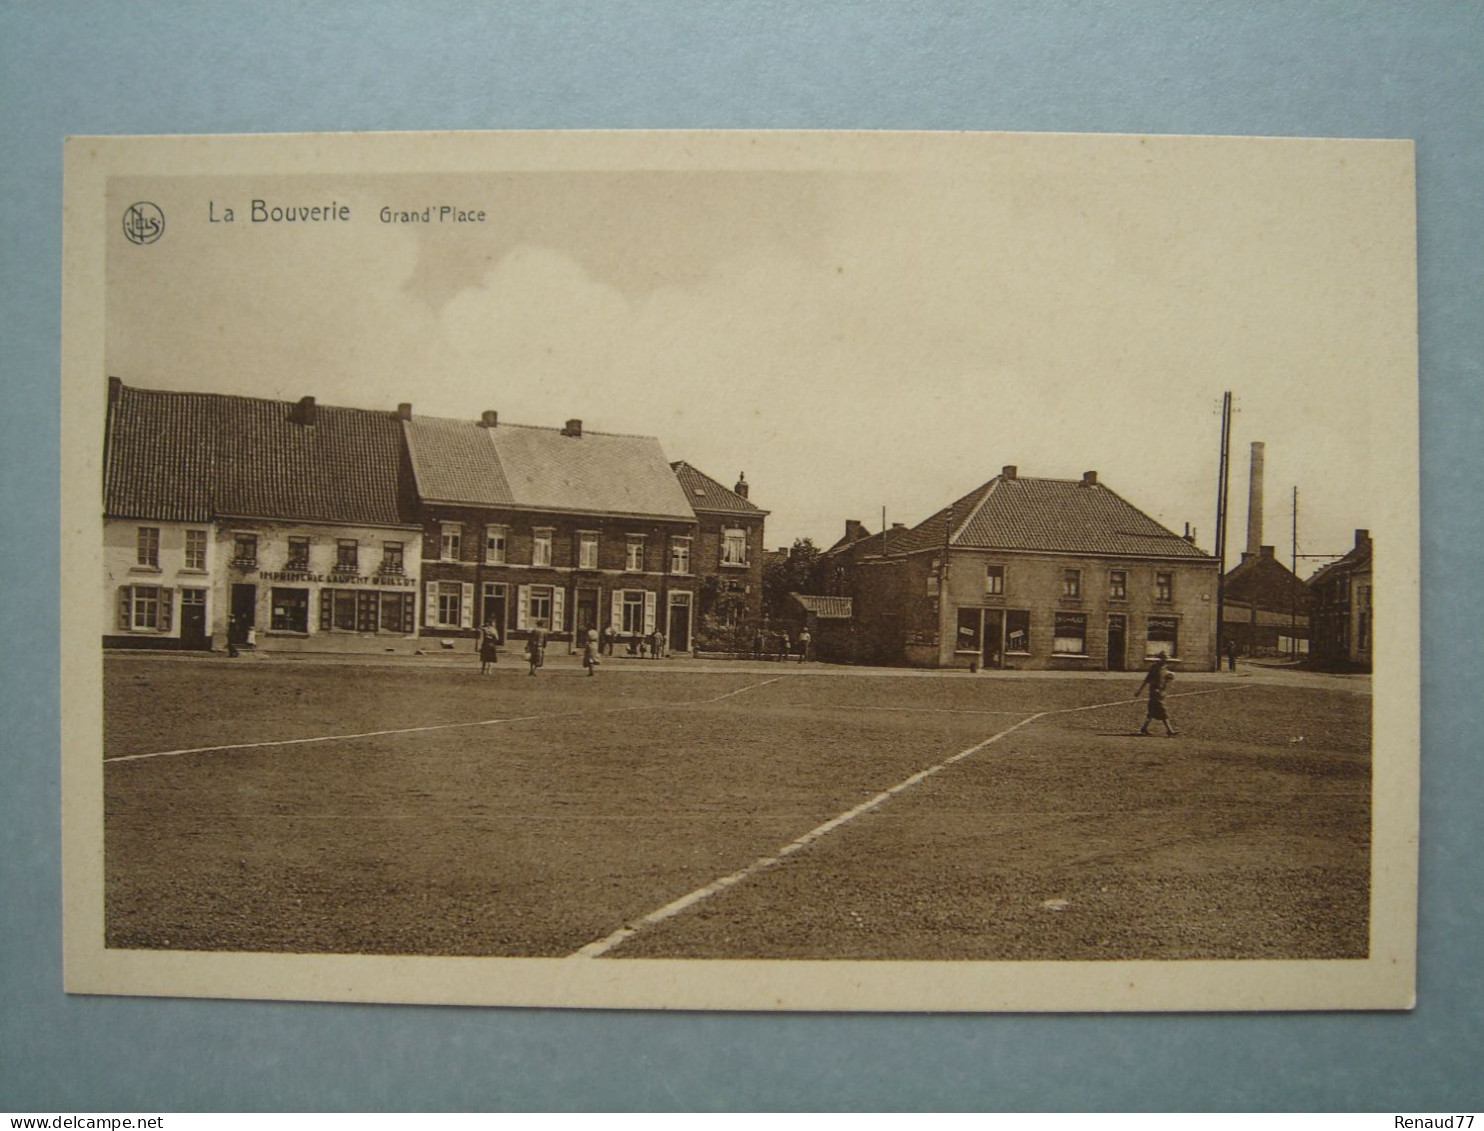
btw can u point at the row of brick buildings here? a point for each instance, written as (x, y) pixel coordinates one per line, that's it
(304, 526)
(308, 526)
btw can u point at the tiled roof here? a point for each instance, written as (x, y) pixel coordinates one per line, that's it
(196, 456)
(454, 461)
(706, 494)
(1065, 516)
(829, 608)
(516, 465)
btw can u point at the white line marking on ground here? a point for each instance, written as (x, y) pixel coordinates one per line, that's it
(434, 726)
(619, 937)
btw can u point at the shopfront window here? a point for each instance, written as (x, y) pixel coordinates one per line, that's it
(344, 615)
(396, 612)
(290, 610)
(1163, 637)
(1070, 637)
(970, 630)
(1018, 631)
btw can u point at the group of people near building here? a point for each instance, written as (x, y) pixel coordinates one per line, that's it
(778, 645)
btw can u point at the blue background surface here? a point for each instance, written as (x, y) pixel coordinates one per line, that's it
(1337, 69)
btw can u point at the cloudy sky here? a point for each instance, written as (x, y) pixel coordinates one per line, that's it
(854, 334)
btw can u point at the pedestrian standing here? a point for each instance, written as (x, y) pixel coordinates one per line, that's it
(536, 649)
(804, 641)
(1157, 682)
(785, 645)
(605, 640)
(657, 645)
(489, 646)
(590, 652)
(1231, 654)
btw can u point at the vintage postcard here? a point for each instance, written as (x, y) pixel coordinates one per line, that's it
(749, 571)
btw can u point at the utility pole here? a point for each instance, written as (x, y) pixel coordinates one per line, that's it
(1222, 476)
(1293, 588)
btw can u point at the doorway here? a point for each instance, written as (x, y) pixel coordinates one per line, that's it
(587, 614)
(994, 638)
(1117, 642)
(679, 623)
(193, 619)
(244, 613)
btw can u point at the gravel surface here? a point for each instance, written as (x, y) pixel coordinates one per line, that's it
(1246, 836)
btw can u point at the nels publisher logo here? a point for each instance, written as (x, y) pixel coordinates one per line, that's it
(143, 222)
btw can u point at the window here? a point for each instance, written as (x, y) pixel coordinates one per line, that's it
(450, 607)
(391, 558)
(344, 609)
(679, 555)
(245, 550)
(734, 548)
(1163, 637)
(587, 549)
(994, 580)
(633, 612)
(148, 547)
(1070, 637)
(970, 625)
(195, 549)
(396, 612)
(298, 555)
(634, 553)
(538, 606)
(496, 538)
(1018, 631)
(1164, 586)
(541, 547)
(1071, 583)
(145, 608)
(1117, 585)
(451, 542)
(146, 611)
(347, 555)
(290, 610)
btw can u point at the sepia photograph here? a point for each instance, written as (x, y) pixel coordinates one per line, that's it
(827, 571)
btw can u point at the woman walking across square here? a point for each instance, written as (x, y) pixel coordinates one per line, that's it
(1158, 682)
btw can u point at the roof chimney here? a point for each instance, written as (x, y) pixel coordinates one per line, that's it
(854, 531)
(1254, 501)
(489, 418)
(1008, 471)
(741, 488)
(115, 387)
(1265, 551)
(304, 412)
(404, 411)
(1362, 538)
(573, 429)
(899, 526)
(1089, 479)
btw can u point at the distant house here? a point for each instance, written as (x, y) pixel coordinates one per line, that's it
(247, 519)
(829, 621)
(1030, 573)
(1340, 613)
(1265, 607)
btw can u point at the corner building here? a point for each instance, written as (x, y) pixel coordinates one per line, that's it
(1032, 574)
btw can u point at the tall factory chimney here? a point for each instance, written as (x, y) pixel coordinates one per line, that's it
(1254, 502)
